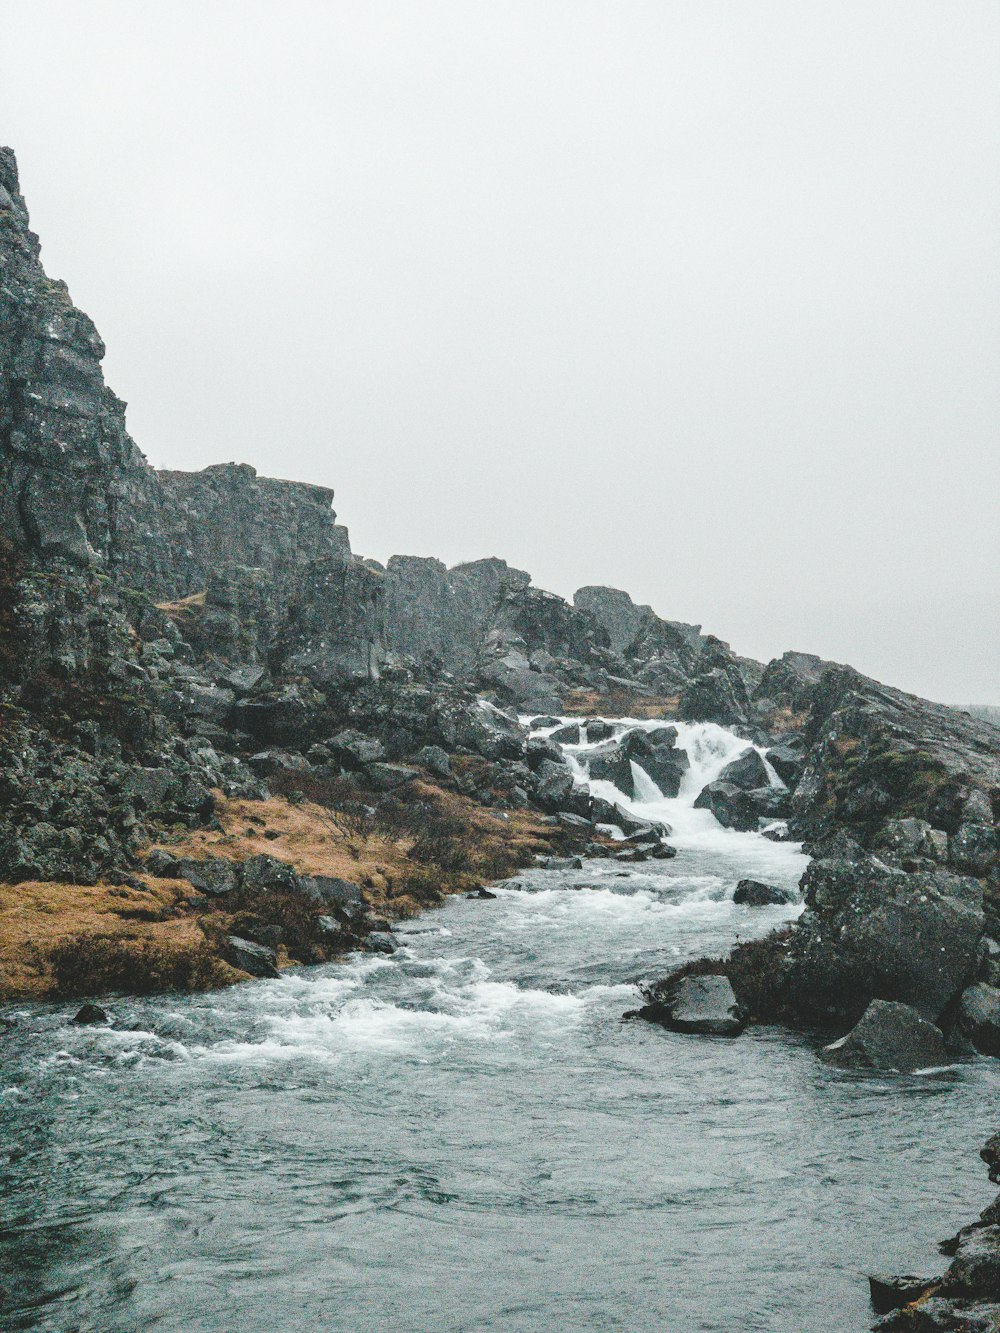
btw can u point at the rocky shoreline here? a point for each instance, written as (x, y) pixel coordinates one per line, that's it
(228, 744)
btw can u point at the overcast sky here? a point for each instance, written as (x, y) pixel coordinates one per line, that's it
(697, 299)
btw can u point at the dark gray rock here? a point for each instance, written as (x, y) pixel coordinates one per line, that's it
(435, 760)
(975, 1269)
(266, 874)
(731, 806)
(754, 893)
(889, 1036)
(598, 730)
(559, 862)
(788, 760)
(891, 1291)
(539, 748)
(553, 785)
(608, 762)
(567, 734)
(701, 1005)
(387, 777)
(746, 772)
(873, 931)
(214, 876)
(257, 959)
(91, 1013)
(979, 1018)
(666, 767)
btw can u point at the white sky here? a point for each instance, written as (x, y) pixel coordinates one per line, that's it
(698, 299)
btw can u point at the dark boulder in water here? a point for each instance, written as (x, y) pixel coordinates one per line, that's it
(754, 893)
(979, 1018)
(872, 931)
(747, 771)
(893, 1291)
(889, 1036)
(703, 1006)
(610, 763)
(91, 1013)
(598, 730)
(731, 806)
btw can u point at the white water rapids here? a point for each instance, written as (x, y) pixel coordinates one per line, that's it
(465, 1137)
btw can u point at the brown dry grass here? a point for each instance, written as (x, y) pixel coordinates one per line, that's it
(38, 918)
(620, 703)
(782, 720)
(315, 841)
(183, 608)
(62, 939)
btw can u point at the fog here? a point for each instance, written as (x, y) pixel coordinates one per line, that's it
(698, 300)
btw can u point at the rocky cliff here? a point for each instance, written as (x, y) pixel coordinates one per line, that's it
(166, 635)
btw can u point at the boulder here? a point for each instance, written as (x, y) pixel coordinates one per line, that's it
(354, 750)
(731, 806)
(754, 893)
(266, 874)
(666, 767)
(893, 1291)
(91, 1013)
(664, 852)
(567, 734)
(873, 931)
(975, 1269)
(435, 760)
(788, 760)
(705, 1006)
(387, 777)
(610, 763)
(214, 876)
(267, 762)
(972, 849)
(553, 784)
(257, 959)
(746, 772)
(979, 1017)
(889, 1036)
(539, 748)
(598, 730)
(559, 863)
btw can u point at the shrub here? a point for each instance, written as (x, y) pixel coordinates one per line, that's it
(94, 964)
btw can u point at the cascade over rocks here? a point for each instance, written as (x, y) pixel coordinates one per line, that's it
(165, 636)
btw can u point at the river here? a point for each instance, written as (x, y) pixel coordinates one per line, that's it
(466, 1136)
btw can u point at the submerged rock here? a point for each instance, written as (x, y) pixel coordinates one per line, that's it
(889, 1036)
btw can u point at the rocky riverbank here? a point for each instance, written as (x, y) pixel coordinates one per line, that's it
(229, 744)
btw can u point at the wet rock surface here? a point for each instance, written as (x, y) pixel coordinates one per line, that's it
(888, 1036)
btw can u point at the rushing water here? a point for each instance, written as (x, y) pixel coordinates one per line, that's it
(465, 1136)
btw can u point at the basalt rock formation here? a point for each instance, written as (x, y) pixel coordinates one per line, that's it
(167, 637)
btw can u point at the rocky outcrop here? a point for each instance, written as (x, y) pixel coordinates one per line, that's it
(700, 1005)
(871, 931)
(888, 1036)
(966, 1297)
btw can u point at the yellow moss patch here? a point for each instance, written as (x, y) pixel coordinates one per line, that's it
(620, 703)
(85, 939)
(37, 918)
(184, 607)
